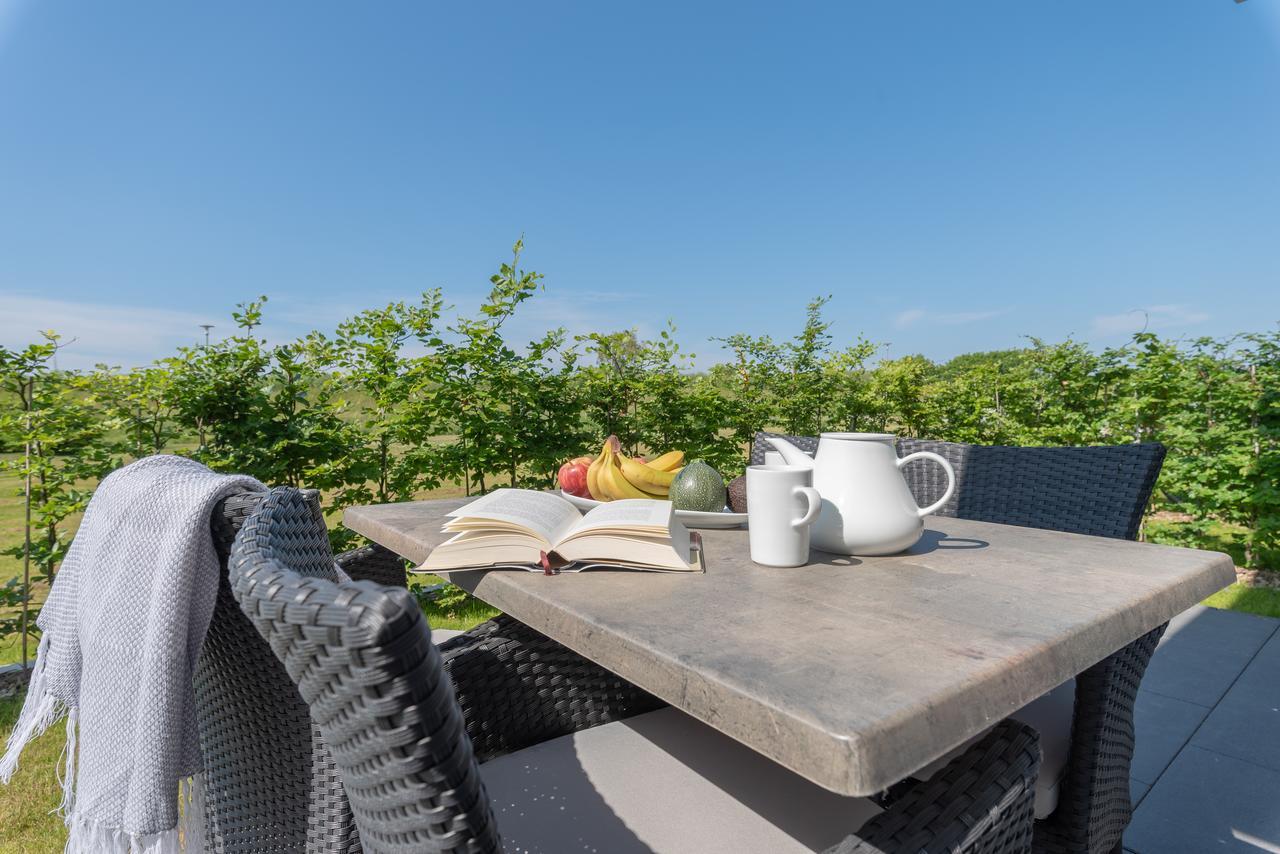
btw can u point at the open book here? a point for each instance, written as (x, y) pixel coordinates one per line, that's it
(542, 531)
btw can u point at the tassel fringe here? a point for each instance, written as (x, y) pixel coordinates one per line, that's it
(39, 712)
(67, 770)
(90, 837)
(86, 836)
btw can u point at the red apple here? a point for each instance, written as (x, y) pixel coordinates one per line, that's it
(573, 476)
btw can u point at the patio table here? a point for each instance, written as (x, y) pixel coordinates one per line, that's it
(852, 672)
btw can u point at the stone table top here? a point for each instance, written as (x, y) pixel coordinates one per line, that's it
(853, 672)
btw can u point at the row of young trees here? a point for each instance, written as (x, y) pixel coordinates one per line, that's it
(399, 400)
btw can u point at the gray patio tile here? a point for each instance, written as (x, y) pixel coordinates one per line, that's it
(1208, 802)
(1163, 725)
(1246, 724)
(1137, 791)
(1203, 653)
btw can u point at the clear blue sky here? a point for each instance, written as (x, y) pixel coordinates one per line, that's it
(958, 175)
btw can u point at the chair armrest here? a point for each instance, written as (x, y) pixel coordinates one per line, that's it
(374, 563)
(518, 688)
(982, 801)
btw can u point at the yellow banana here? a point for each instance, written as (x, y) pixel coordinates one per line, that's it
(644, 477)
(670, 461)
(615, 483)
(593, 474)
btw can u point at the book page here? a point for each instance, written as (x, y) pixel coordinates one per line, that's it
(549, 517)
(627, 513)
(672, 551)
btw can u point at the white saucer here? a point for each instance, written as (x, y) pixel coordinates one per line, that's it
(690, 518)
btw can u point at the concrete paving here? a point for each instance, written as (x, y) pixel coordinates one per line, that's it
(1206, 770)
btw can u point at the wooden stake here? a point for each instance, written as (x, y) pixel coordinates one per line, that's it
(26, 548)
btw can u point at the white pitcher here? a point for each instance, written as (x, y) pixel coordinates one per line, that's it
(867, 508)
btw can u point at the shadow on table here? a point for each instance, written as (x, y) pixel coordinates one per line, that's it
(933, 540)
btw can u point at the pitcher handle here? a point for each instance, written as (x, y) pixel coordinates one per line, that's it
(815, 504)
(946, 466)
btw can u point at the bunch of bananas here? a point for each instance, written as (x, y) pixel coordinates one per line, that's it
(613, 475)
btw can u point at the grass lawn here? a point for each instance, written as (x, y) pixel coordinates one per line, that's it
(1252, 600)
(27, 822)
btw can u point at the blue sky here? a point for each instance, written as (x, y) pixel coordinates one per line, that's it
(956, 175)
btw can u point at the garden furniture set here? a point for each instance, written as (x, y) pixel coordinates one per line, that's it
(972, 694)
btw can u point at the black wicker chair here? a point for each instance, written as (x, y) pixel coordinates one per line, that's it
(1101, 491)
(271, 785)
(408, 745)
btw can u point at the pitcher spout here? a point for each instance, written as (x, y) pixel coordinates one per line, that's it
(793, 455)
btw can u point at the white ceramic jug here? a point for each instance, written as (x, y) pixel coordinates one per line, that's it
(867, 508)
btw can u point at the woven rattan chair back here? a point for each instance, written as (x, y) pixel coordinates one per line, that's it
(362, 658)
(271, 786)
(1100, 490)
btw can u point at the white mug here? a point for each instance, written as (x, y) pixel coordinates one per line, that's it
(781, 505)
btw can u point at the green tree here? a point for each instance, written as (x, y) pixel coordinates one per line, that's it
(749, 386)
(268, 411)
(678, 409)
(897, 389)
(512, 412)
(141, 402)
(386, 391)
(611, 388)
(64, 454)
(1260, 506)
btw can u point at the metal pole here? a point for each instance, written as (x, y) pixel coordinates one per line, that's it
(26, 550)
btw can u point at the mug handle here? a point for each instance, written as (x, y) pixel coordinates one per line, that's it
(815, 504)
(951, 478)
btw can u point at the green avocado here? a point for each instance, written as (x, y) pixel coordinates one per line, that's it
(698, 487)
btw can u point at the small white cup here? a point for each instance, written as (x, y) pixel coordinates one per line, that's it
(781, 505)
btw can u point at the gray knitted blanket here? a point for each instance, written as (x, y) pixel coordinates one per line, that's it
(122, 628)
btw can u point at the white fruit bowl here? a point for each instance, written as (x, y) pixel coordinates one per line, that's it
(689, 518)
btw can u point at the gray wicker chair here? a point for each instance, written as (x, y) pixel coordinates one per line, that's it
(1101, 491)
(408, 740)
(271, 785)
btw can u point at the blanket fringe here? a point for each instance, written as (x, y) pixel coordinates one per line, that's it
(89, 837)
(39, 711)
(67, 769)
(86, 836)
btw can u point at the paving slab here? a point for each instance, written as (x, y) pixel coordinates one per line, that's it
(1208, 802)
(1246, 724)
(1162, 725)
(1203, 653)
